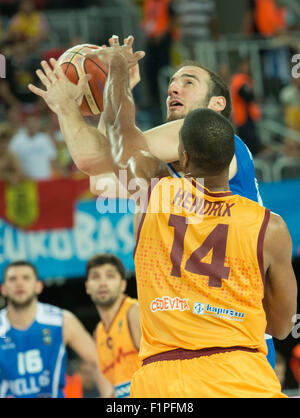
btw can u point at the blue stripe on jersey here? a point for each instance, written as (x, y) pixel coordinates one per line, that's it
(173, 170)
(271, 352)
(32, 361)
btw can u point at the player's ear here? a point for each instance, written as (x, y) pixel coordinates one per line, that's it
(86, 287)
(39, 287)
(185, 159)
(217, 103)
(3, 290)
(124, 285)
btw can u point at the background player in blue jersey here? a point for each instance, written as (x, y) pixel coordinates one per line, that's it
(192, 86)
(33, 339)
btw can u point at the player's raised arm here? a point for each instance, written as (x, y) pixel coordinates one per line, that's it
(280, 301)
(129, 148)
(89, 149)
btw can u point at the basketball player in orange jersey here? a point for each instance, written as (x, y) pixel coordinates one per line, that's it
(93, 154)
(118, 334)
(220, 273)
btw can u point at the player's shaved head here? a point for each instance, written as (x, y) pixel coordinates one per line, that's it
(208, 139)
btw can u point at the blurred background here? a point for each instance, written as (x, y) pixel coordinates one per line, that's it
(47, 214)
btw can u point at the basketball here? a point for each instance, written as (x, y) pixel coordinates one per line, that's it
(75, 63)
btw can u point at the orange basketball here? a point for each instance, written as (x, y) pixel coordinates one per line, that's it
(75, 63)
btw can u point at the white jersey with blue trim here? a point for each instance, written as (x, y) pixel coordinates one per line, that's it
(32, 361)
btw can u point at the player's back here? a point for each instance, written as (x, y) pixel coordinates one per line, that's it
(32, 361)
(199, 269)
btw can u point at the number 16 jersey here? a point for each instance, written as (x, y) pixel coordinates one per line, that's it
(199, 269)
(32, 361)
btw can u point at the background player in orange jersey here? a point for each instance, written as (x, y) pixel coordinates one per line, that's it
(215, 285)
(119, 332)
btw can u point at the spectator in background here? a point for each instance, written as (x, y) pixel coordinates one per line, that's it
(80, 382)
(8, 7)
(280, 368)
(35, 150)
(290, 99)
(157, 24)
(29, 24)
(64, 159)
(85, 370)
(245, 111)
(20, 69)
(268, 19)
(197, 22)
(224, 71)
(295, 363)
(2, 31)
(10, 168)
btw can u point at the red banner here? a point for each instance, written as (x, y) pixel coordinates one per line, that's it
(42, 205)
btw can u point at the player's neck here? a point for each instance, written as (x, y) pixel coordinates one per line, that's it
(22, 318)
(215, 183)
(108, 315)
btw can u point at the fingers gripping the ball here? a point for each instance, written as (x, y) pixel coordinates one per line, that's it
(57, 69)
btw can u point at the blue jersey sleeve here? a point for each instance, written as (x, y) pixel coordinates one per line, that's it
(244, 182)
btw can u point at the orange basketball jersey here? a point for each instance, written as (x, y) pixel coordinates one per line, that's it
(117, 353)
(199, 269)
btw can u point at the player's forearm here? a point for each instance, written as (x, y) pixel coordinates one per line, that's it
(88, 147)
(119, 111)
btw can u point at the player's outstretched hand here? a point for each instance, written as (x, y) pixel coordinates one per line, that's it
(106, 54)
(58, 88)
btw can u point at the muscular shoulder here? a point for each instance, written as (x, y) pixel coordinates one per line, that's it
(276, 226)
(277, 243)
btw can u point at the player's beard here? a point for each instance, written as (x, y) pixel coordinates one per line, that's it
(106, 303)
(21, 305)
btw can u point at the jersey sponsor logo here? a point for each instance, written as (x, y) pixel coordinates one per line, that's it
(7, 344)
(47, 339)
(123, 390)
(120, 325)
(166, 303)
(199, 308)
(109, 342)
(25, 386)
(230, 314)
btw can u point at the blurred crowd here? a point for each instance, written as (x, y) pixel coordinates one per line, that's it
(31, 143)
